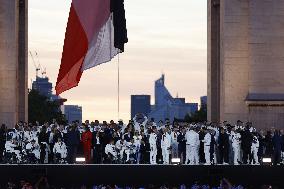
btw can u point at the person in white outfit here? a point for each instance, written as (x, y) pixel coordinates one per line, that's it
(165, 146)
(174, 137)
(153, 146)
(254, 149)
(33, 148)
(137, 142)
(138, 123)
(110, 151)
(121, 147)
(60, 149)
(236, 144)
(207, 143)
(192, 143)
(11, 147)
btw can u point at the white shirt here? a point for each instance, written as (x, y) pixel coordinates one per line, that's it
(110, 149)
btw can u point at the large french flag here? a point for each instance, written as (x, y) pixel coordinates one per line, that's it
(89, 41)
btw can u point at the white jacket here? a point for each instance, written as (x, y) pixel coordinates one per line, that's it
(192, 138)
(60, 148)
(174, 136)
(255, 143)
(35, 149)
(166, 141)
(153, 140)
(207, 139)
(236, 139)
(110, 149)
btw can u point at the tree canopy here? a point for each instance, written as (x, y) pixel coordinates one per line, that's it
(198, 116)
(43, 110)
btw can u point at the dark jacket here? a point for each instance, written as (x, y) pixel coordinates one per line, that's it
(246, 140)
(181, 142)
(73, 138)
(277, 142)
(223, 141)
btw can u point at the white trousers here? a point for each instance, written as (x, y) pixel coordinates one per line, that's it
(153, 155)
(166, 155)
(236, 150)
(254, 151)
(192, 157)
(207, 154)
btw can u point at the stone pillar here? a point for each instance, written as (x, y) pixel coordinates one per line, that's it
(245, 62)
(13, 61)
(213, 59)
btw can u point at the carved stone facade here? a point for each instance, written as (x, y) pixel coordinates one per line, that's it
(246, 61)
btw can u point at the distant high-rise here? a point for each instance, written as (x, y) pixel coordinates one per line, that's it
(43, 86)
(13, 61)
(73, 113)
(203, 102)
(168, 107)
(140, 104)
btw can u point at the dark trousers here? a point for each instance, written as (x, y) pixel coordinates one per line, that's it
(97, 154)
(247, 155)
(224, 154)
(2, 148)
(72, 152)
(276, 157)
(182, 154)
(42, 153)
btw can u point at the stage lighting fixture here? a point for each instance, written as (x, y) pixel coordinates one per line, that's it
(175, 161)
(80, 160)
(266, 160)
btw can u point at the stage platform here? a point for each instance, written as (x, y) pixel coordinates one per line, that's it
(143, 174)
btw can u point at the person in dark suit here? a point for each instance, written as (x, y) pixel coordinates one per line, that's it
(277, 147)
(223, 146)
(2, 140)
(43, 140)
(72, 143)
(247, 139)
(128, 136)
(97, 147)
(182, 145)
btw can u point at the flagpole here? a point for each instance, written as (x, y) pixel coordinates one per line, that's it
(118, 89)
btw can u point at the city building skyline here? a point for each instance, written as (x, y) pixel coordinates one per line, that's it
(174, 44)
(168, 107)
(140, 104)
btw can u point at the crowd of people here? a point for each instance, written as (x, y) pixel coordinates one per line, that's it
(141, 141)
(43, 183)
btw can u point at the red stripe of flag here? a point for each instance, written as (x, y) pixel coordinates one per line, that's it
(74, 51)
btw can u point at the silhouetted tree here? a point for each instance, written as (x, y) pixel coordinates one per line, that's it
(43, 110)
(198, 116)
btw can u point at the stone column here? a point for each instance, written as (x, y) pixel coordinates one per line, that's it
(13, 61)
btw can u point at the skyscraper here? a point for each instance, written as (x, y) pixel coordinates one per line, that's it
(167, 106)
(203, 102)
(73, 113)
(140, 104)
(13, 61)
(43, 86)
(245, 61)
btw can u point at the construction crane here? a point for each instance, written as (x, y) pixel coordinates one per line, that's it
(37, 64)
(37, 67)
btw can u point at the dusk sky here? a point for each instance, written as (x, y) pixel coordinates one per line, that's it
(165, 36)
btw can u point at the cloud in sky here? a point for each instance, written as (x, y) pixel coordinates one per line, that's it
(164, 36)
